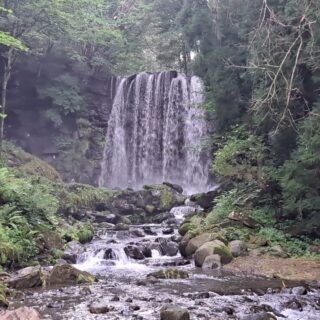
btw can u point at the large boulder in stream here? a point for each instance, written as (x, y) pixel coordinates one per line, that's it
(195, 243)
(68, 275)
(134, 252)
(30, 277)
(173, 312)
(210, 248)
(22, 313)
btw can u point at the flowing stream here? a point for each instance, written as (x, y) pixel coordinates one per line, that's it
(155, 132)
(123, 284)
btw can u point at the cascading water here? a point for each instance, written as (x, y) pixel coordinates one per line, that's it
(154, 133)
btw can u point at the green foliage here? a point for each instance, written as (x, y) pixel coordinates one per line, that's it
(77, 195)
(224, 205)
(299, 176)
(242, 159)
(85, 233)
(9, 41)
(265, 216)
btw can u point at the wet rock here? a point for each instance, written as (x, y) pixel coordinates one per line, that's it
(210, 248)
(137, 233)
(195, 243)
(169, 274)
(259, 316)
(168, 231)
(115, 298)
(129, 300)
(109, 254)
(105, 216)
(170, 248)
(147, 230)
(184, 243)
(238, 248)
(212, 262)
(85, 291)
(205, 200)
(100, 307)
(74, 248)
(121, 227)
(29, 277)
(299, 291)
(175, 187)
(146, 252)
(135, 308)
(68, 275)
(294, 304)
(23, 313)
(134, 252)
(173, 312)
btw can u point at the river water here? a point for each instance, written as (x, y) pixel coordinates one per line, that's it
(124, 286)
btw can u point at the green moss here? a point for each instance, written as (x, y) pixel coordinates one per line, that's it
(3, 297)
(224, 253)
(166, 199)
(85, 278)
(28, 164)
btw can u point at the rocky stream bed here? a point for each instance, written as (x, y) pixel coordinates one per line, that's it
(141, 274)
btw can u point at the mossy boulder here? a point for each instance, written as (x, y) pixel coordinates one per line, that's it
(184, 243)
(184, 228)
(30, 277)
(205, 200)
(68, 275)
(195, 243)
(210, 248)
(169, 274)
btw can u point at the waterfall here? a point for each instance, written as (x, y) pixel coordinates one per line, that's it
(154, 133)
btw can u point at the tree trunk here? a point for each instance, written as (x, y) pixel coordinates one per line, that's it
(4, 91)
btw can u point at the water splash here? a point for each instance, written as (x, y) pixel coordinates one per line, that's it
(154, 133)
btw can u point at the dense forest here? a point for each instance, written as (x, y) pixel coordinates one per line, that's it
(260, 64)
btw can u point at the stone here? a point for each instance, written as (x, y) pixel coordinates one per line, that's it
(210, 248)
(68, 275)
(137, 233)
(147, 230)
(259, 316)
(212, 262)
(238, 248)
(184, 243)
(257, 252)
(299, 291)
(30, 277)
(168, 231)
(100, 307)
(184, 228)
(205, 200)
(314, 249)
(22, 313)
(105, 216)
(74, 248)
(121, 227)
(195, 243)
(173, 312)
(146, 252)
(134, 252)
(170, 248)
(169, 274)
(175, 187)
(109, 254)
(277, 251)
